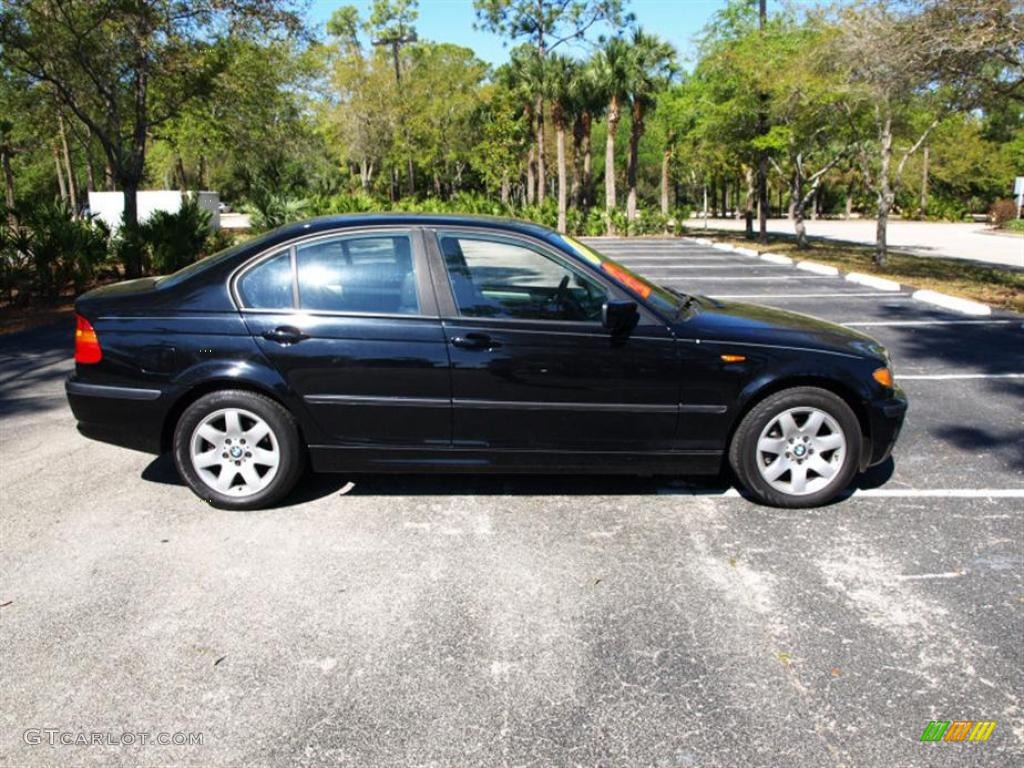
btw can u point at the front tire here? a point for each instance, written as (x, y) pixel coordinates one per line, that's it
(238, 450)
(797, 448)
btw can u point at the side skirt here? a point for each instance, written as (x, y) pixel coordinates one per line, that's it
(462, 460)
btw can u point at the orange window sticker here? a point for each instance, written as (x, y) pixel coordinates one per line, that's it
(628, 280)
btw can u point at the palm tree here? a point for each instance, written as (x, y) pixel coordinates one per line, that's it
(651, 65)
(612, 66)
(524, 75)
(588, 101)
(560, 72)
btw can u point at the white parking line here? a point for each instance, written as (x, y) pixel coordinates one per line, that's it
(954, 376)
(879, 493)
(687, 265)
(833, 295)
(707, 266)
(760, 277)
(873, 323)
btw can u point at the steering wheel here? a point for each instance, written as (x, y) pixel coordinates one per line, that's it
(563, 298)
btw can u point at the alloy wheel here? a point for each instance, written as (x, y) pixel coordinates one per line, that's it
(235, 452)
(801, 451)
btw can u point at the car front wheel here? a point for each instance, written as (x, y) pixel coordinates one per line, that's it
(797, 448)
(238, 450)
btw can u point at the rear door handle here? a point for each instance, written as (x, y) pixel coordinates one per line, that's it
(475, 341)
(285, 334)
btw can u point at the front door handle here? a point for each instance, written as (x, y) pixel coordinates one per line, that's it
(285, 334)
(475, 341)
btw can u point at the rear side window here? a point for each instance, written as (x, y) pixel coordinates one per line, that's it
(368, 273)
(268, 285)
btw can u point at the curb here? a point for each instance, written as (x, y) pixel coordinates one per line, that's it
(818, 269)
(745, 251)
(775, 258)
(966, 306)
(874, 282)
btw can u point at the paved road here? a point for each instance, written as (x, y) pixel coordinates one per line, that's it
(531, 621)
(973, 242)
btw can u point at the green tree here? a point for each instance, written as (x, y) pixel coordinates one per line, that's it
(651, 63)
(545, 25)
(914, 66)
(612, 66)
(124, 69)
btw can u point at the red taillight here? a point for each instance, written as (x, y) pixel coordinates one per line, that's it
(87, 344)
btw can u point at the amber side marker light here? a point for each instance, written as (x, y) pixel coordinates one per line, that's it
(883, 376)
(87, 344)
(733, 358)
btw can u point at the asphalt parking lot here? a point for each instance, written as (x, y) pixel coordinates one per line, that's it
(532, 621)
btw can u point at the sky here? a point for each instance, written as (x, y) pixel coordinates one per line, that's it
(451, 21)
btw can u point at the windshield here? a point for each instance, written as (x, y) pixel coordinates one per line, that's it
(668, 301)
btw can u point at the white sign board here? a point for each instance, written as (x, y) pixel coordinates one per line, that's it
(108, 206)
(1018, 190)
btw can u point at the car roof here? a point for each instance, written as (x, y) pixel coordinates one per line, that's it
(328, 223)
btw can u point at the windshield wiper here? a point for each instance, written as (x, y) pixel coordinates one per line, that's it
(688, 299)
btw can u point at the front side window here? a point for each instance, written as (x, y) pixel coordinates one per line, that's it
(358, 273)
(496, 278)
(268, 285)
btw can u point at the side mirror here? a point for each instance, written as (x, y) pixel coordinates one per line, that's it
(619, 316)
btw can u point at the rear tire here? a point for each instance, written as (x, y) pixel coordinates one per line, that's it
(238, 450)
(797, 448)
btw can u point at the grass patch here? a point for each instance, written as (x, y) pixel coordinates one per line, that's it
(999, 287)
(1013, 225)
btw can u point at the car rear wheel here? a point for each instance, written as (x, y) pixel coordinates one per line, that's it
(238, 450)
(797, 448)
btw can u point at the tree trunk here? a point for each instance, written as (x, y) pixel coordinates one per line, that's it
(5, 162)
(748, 203)
(609, 163)
(60, 174)
(504, 189)
(588, 163)
(90, 173)
(924, 183)
(130, 220)
(796, 207)
(411, 178)
(631, 163)
(666, 159)
(562, 187)
(530, 181)
(179, 174)
(202, 172)
(541, 174)
(576, 193)
(72, 185)
(885, 193)
(849, 205)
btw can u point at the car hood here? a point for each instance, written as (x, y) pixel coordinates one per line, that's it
(753, 323)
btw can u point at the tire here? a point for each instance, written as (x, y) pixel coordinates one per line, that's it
(242, 434)
(815, 437)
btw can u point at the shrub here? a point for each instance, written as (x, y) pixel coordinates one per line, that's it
(170, 241)
(48, 248)
(1002, 211)
(268, 210)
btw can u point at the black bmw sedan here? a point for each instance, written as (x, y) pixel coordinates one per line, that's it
(401, 343)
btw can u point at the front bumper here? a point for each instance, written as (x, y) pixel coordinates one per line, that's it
(130, 417)
(886, 420)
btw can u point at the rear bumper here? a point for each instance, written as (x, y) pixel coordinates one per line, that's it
(131, 417)
(886, 422)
